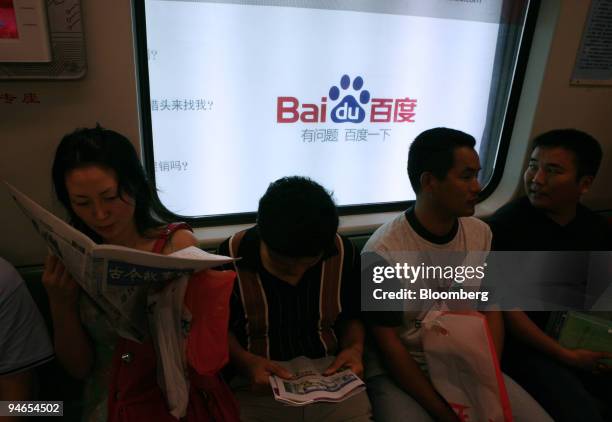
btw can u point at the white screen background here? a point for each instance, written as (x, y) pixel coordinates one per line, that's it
(238, 59)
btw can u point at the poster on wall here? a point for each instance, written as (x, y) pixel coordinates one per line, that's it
(55, 27)
(24, 32)
(8, 20)
(594, 61)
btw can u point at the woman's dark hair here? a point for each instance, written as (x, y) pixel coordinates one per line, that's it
(111, 150)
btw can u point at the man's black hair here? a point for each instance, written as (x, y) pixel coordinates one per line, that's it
(433, 151)
(297, 217)
(587, 151)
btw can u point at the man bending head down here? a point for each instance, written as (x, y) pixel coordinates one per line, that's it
(296, 222)
(296, 294)
(443, 169)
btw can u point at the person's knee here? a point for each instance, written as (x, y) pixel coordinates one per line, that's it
(391, 403)
(524, 407)
(558, 390)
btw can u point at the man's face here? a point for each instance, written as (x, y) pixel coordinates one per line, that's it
(286, 268)
(550, 180)
(457, 193)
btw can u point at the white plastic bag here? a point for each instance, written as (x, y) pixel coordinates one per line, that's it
(166, 321)
(463, 365)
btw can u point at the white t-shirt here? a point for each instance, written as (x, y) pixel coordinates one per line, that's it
(398, 236)
(24, 341)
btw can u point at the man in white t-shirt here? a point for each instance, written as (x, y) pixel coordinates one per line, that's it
(443, 169)
(24, 341)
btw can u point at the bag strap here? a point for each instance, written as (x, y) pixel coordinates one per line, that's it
(329, 299)
(167, 233)
(254, 302)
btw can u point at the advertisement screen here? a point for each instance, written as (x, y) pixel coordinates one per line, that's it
(245, 92)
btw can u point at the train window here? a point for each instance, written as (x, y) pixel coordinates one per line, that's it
(236, 94)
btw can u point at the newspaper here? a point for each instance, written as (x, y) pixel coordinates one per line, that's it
(308, 385)
(115, 277)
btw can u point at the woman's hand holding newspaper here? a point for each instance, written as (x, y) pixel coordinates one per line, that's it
(60, 286)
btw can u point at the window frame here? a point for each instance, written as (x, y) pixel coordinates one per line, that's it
(498, 155)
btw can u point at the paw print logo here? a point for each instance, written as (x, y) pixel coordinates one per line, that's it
(349, 109)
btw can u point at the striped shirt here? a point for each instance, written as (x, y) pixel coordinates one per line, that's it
(292, 315)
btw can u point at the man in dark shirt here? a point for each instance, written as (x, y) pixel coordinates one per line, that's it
(296, 294)
(561, 169)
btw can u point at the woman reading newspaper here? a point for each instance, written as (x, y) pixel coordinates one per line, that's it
(100, 181)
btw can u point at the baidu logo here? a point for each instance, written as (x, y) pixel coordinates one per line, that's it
(349, 109)
(354, 105)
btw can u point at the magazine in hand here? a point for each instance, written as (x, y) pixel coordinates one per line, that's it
(309, 385)
(115, 277)
(577, 330)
